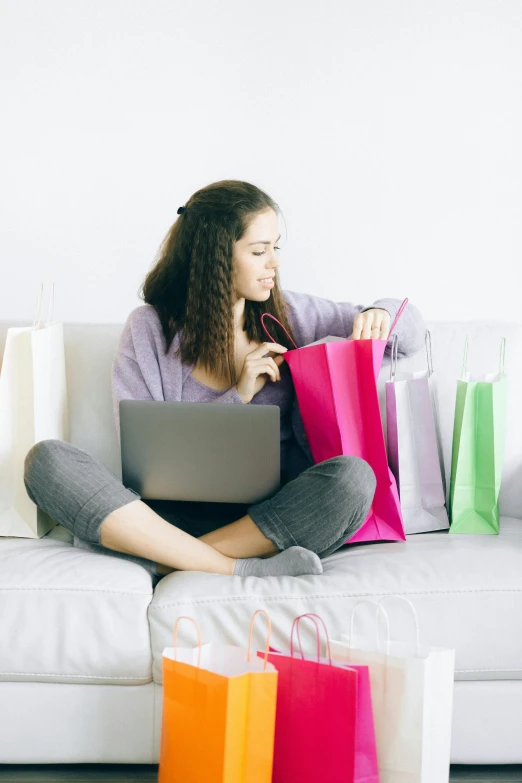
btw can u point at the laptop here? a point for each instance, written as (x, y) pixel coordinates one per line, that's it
(200, 451)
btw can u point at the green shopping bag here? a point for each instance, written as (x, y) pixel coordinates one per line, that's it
(479, 434)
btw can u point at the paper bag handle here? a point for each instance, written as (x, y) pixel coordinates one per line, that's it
(502, 360)
(394, 357)
(184, 617)
(416, 620)
(465, 359)
(267, 646)
(386, 618)
(395, 354)
(280, 324)
(502, 370)
(429, 354)
(399, 313)
(388, 634)
(39, 308)
(295, 626)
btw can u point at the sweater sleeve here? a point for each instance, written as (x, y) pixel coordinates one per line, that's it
(135, 369)
(314, 318)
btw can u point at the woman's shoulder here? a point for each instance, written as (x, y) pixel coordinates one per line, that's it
(143, 325)
(143, 314)
(144, 319)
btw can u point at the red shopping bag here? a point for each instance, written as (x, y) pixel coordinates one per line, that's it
(336, 389)
(324, 718)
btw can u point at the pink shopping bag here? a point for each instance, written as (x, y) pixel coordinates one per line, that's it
(324, 718)
(336, 389)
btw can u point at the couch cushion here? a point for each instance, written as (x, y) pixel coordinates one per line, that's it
(467, 591)
(72, 616)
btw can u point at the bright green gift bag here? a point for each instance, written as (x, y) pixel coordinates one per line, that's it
(479, 434)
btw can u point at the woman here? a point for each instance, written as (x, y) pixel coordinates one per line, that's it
(199, 338)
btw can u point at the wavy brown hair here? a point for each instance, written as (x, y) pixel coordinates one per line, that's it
(191, 282)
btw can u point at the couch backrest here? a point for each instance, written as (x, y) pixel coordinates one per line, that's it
(90, 348)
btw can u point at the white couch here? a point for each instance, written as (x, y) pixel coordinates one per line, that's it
(82, 633)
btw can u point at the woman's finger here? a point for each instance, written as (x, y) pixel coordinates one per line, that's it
(385, 325)
(367, 326)
(376, 326)
(357, 326)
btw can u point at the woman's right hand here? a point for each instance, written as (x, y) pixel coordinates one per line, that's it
(257, 368)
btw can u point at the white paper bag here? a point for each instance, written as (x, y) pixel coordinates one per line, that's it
(412, 697)
(33, 407)
(414, 446)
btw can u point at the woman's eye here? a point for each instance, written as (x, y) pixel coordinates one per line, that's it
(263, 252)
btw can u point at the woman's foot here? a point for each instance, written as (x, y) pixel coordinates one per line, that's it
(294, 561)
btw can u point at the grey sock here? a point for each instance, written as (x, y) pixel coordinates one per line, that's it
(293, 561)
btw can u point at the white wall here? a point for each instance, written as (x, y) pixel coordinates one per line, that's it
(389, 131)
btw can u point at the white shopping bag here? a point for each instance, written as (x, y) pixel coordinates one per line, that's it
(412, 697)
(33, 407)
(414, 446)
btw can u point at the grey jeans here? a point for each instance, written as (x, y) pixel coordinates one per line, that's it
(319, 510)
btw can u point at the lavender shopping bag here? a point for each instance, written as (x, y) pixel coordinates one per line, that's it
(414, 445)
(336, 389)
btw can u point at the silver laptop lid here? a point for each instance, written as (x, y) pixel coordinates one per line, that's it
(202, 451)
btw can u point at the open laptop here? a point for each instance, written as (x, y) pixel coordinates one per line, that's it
(200, 451)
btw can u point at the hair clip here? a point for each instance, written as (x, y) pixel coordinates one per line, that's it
(181, 210)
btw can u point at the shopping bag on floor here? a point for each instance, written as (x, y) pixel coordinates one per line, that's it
(414, 445)
(33, 407)
(412, 698)
(324, 723)
(219, 705)
(336, 389)
(479, 435)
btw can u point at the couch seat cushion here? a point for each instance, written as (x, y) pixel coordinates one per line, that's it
(72, 616)
(467, 591)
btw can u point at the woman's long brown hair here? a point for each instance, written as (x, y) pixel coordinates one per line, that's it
(191, 283)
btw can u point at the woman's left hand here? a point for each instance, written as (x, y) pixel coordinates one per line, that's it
(371, 325)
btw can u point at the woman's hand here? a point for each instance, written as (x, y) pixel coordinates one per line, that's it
(258, 368)
(371, 325)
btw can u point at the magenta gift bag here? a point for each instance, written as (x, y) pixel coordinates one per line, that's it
(336, 389)
(324, 718)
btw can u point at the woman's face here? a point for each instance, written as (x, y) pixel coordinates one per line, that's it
(255, 257)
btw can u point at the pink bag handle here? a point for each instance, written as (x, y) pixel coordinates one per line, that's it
(394, 324)
(280, 324)
(295, 625)
(399, 313)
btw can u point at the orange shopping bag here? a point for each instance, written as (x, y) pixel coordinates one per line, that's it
(219, 705)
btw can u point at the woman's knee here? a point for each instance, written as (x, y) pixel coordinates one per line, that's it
(41, 461)
(354, 479)
(353, 486)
